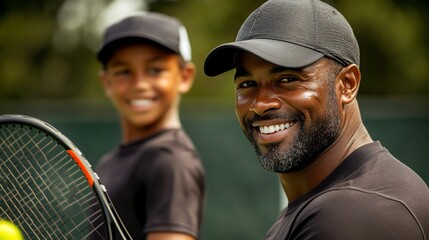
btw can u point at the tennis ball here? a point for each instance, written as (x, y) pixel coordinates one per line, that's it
(8, 231)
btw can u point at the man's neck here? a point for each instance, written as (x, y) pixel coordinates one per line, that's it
(353, 136)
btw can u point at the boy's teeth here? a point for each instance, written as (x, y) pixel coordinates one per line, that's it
(141, 102)
(274, 128)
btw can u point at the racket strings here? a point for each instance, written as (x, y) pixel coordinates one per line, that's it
(43, 190)
(39, 194)
(33, 197)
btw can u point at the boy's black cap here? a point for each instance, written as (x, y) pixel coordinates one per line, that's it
(156, 27)
(289, 33)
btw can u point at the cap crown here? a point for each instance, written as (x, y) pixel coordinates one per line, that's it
(164, 30)
(308, 23)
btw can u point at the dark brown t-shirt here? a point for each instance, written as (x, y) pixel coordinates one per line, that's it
(156, 184)
(371, 195)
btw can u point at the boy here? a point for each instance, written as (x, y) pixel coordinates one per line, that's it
(155, 177)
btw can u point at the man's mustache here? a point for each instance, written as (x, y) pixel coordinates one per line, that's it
(287, 117)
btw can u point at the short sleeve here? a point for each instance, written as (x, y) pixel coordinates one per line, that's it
(172, 192)
(354, 214)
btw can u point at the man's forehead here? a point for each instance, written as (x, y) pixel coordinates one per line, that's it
(242, 59)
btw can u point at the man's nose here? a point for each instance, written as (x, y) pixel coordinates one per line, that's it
(264, 102)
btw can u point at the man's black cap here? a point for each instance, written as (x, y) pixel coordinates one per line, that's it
(289, 33)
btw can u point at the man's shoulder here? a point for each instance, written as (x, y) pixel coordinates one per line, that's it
(354, 213)
(352, 199)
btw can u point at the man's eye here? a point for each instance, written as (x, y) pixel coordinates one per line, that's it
(288, 79)
(246, 84)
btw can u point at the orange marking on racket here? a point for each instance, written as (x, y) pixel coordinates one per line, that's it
(80, 164)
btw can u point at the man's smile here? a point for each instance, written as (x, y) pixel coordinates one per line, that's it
(267, 132)
(274, 128)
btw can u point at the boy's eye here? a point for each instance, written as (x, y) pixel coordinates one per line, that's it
(121, 72)
(154, 71)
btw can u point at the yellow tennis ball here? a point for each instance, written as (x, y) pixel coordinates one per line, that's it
(8, 231)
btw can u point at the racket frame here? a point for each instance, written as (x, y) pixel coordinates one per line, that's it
(111, 216)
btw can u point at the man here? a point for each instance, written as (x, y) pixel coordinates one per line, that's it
(297, 77)
(155, 177)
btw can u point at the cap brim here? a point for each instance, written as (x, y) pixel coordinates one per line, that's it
(221, 58)
(124, 39)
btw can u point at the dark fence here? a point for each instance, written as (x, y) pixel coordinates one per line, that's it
(242, 199)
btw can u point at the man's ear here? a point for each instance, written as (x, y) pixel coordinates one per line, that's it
(105, 82)
(349, 83)
(188, 75)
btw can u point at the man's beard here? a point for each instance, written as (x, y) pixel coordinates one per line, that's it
(309, 143)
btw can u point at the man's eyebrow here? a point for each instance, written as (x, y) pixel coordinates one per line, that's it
(279, 69)
(241, 72)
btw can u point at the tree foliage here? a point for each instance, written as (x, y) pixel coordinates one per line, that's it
(393, 36)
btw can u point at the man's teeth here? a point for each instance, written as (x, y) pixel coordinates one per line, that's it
(274, 128)
(141, 102)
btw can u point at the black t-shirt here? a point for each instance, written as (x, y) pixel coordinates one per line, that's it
(371, 195)
(156, 184)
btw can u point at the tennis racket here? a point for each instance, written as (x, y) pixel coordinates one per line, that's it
(47, 187)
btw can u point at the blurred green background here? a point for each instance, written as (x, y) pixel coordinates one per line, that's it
(48, 70)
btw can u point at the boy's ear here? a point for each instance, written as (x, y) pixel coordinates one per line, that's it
(350, 77)
(188, 75)
(102, 76)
